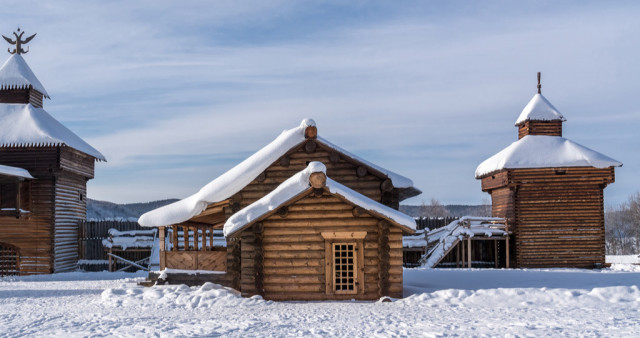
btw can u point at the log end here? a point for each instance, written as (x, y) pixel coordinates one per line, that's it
(311, 132)
(317, 180)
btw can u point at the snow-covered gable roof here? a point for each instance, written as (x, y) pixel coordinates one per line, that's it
(244, 173)
(540, 151)
(539, 109)
(399, 181)
(298, 184)
(22, 125)
(14, 172)
(15, 74)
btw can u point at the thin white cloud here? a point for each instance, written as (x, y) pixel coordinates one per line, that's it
(429, 98)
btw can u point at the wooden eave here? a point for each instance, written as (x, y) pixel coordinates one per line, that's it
(549, 175)
(214, 214)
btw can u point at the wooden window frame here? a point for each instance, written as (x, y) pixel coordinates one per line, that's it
(17, 208)
(348, 237)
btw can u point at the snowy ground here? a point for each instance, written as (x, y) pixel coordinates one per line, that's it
(624, 259)
(558, 302)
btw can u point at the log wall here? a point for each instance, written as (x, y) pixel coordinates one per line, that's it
(70, 210)
(290, 251)
(339, 169)
(24, 95)
(549, 128)
(33, 235)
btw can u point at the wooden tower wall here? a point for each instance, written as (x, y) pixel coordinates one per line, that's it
(549, 128)
(48, 237)
(33, 235)
(286, 256)
(24, 95)
(71, 208)
(558, 214)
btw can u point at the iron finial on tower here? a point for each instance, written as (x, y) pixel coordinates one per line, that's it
(18, 42)
(539, 85)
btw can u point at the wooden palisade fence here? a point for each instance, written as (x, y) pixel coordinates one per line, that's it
(91, 234)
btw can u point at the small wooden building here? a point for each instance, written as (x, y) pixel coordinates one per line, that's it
(550, 190)
(312, 238)
(200, 214)
(40, 214)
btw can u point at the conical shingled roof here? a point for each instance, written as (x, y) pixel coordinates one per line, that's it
(15, 74)
(539, 109)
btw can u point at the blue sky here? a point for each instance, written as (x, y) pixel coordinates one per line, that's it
(176, 93)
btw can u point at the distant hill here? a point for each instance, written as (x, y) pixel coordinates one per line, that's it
(453, 209)
(99, 210)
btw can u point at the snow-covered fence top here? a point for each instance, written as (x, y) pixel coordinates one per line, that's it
(137, 239)
(91, 234)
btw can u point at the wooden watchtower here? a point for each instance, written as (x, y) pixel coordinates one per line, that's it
(550, 190)
(44, 169)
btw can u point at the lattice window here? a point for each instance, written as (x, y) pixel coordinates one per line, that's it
(345, 268)
(9, 260)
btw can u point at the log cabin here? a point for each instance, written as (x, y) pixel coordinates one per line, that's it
(550, 189)
(45, 197)
(313, 238)
(194, 219)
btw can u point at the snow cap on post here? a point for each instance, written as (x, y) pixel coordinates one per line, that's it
(310, 129)
(317, 174)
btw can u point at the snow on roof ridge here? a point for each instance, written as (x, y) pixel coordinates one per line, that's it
(229, 183)
(25, 125)
(236, 178)
(398, 180)
(539, 109)
(15, 171)
(542, 151)
(299, 183)
(307, 123)
(15, 73)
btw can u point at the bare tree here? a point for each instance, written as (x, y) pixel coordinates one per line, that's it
(633, 206)
(622, 227)
(615, 229)
(485, 211)
(434, 209)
